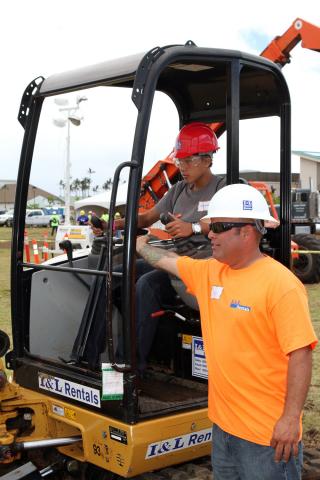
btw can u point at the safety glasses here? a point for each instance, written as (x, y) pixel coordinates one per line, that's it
(193, 161)
(220, 227)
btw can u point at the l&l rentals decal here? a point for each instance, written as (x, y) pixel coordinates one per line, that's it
(68, 389)
(174, 444)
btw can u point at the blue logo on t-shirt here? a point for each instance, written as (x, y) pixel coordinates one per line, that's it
(237, 305)
(247, 204)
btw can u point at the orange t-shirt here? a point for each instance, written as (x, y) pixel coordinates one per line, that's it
(251, 319)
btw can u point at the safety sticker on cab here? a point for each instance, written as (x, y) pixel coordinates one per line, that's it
(199, 364)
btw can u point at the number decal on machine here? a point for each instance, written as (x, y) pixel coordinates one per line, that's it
(96, 450)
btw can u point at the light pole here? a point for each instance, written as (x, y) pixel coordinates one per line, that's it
(71, 118)
(34, 197)
(5, 188)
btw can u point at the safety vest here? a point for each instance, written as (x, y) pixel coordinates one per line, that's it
(54, 220)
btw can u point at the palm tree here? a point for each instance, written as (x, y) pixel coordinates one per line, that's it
(61, 187)
(107, 184)
(85, 186)
(90, 172)
(76, 186)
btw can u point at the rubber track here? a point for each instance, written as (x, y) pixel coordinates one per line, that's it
(308, 242)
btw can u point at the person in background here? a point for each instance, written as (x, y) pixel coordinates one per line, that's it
(105, 217)
(90, 213)
(54, 222)
(258, 339)
(83, 219)
(117, 232)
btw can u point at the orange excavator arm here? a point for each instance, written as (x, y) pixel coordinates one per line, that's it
(300, 31)
(158, 180)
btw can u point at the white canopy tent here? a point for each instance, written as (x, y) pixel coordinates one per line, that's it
(103, 199)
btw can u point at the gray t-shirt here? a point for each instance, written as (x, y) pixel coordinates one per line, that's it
(192, 205)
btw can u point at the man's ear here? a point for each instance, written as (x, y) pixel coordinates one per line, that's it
(208, 160)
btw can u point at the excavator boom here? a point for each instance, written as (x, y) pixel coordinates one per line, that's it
(300, 31)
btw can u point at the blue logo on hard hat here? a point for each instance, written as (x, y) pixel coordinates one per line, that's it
(247, 204)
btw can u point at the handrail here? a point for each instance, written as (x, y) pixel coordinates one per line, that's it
(114, 365)
(68, 269)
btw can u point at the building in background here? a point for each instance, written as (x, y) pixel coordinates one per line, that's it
(36, 196)
(270, 178)
(309, 169)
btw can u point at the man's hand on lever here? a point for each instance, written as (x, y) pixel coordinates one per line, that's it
(157, 257)
(178, 228)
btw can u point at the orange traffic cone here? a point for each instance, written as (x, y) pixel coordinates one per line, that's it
(45, 248)
(26, 246)
(35, 251)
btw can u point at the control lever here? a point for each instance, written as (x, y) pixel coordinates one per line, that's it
(165, 218)
(66, 245)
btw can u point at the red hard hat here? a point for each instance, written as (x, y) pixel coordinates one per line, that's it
(195, 138)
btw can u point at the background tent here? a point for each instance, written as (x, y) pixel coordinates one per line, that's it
(101, 202)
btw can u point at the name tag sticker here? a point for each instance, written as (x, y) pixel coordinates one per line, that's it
(203, 206)
(216, 292)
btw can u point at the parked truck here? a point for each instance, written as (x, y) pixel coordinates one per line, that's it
(6, 218)
(37, 218)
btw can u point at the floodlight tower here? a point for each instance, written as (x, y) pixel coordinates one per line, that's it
(62, 122)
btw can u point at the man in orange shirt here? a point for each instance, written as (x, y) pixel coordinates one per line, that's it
(258, 339)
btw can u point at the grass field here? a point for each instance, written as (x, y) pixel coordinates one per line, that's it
(312, 408)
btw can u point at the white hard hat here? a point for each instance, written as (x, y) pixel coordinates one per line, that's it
(239, 201)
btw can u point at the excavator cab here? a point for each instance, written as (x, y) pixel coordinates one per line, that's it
(71, 390)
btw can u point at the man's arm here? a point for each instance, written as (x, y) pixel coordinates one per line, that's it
(286, 432)
(157, 257)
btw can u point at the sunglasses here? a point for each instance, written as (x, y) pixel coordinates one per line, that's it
(220, 227)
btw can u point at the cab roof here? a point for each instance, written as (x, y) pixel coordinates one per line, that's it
(195, 78)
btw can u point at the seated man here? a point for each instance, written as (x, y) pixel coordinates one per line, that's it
(184, 205)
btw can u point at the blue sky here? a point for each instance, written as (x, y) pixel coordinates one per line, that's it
(257, 40)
